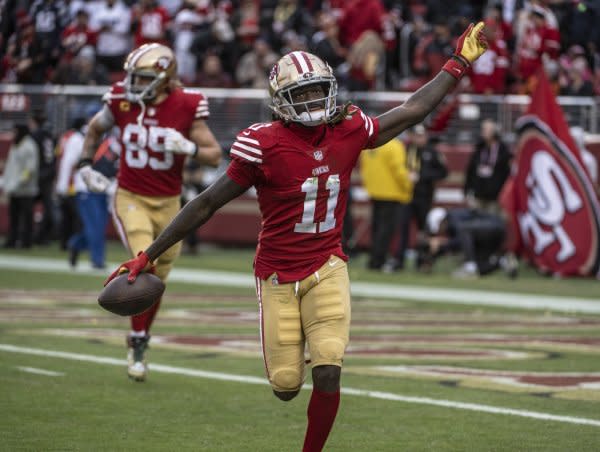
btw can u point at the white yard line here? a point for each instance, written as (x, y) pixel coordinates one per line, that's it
(159, 368)
(35, 370)
(363, 289)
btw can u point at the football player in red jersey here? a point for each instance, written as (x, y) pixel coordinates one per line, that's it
(160, 125)
(300, 165)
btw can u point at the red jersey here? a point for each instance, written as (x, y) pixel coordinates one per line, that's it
(145, 168)
(74, 37)
(302, 177)
(152, 26)
(488, 72)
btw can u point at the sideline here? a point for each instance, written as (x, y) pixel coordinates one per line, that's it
(350, 391)
(362, 289)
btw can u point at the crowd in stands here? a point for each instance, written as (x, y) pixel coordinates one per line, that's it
(371, 44)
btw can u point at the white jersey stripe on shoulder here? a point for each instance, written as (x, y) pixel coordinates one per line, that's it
(370, 121)
(364, 118)
(245, 156)
(247, 140)
(245, 147)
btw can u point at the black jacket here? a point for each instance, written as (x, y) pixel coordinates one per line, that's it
(431, 168)
(487, 171)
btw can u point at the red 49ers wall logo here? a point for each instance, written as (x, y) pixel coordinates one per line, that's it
(557, 211)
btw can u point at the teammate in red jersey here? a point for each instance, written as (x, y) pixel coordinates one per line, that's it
(160, 126)
(300, 165)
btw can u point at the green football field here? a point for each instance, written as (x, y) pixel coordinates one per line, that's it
(434, 364)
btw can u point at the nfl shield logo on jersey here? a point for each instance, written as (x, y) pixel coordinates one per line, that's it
(318, 155)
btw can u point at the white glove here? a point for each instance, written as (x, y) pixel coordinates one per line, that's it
(176, 142)
(96, 182)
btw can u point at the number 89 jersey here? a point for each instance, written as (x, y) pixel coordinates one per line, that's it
(145, 168)
(302, 177)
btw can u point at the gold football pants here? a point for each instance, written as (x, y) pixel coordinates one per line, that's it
(314, 311)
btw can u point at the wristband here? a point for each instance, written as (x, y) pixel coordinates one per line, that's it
(455, 67)
(84, 162)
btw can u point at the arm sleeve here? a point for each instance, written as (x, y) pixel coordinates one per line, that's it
(369, 130)
(243, 174)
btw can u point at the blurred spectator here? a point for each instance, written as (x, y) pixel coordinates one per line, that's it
(245, 21)
(254, 66)
(46, 143)
(173, 6)
(50, 18)
(112, 20)
(576, 80)
(487, 170)
(149, 22)
(359, 16)
(25, 60)
(477, 235)
(537, 38)
(488, 73)
(83, 70)
(218, 38)
(364, 58)
(212, 74)
(77, 35)
(440, 48)
(325, 43)
(289, 16)
(387, 180)
(68, 148)
(362, 32)
(425, 167)
(186, 23)
(21, 187)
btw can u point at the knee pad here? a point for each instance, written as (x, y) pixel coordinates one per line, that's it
(287, 379)
(330, 351)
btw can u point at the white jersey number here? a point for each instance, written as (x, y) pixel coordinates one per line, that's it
(311, 187)
(136, 138)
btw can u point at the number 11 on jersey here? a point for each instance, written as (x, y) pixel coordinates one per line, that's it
(311, 187)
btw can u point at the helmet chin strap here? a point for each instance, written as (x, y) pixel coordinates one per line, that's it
(140, 97)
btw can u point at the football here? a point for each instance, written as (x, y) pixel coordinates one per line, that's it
(124, 298)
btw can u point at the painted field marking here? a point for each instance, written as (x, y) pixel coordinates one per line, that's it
(35, 370)
(363, 289)
(350, 391)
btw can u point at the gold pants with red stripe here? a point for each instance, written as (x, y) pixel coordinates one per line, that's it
(313, 312)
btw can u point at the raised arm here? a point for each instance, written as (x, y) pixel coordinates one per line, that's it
(469, 47)
(195, 213)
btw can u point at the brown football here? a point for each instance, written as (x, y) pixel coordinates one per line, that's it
(124, 298)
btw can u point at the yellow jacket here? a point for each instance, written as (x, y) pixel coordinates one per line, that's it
(384, 172)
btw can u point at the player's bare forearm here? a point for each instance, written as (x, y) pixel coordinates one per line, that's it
(209, 149)
(195, 213)
(415, 109)
(99, 125)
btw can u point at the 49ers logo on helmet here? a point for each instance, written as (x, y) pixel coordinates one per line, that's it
(556, 208)
(163, 63)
